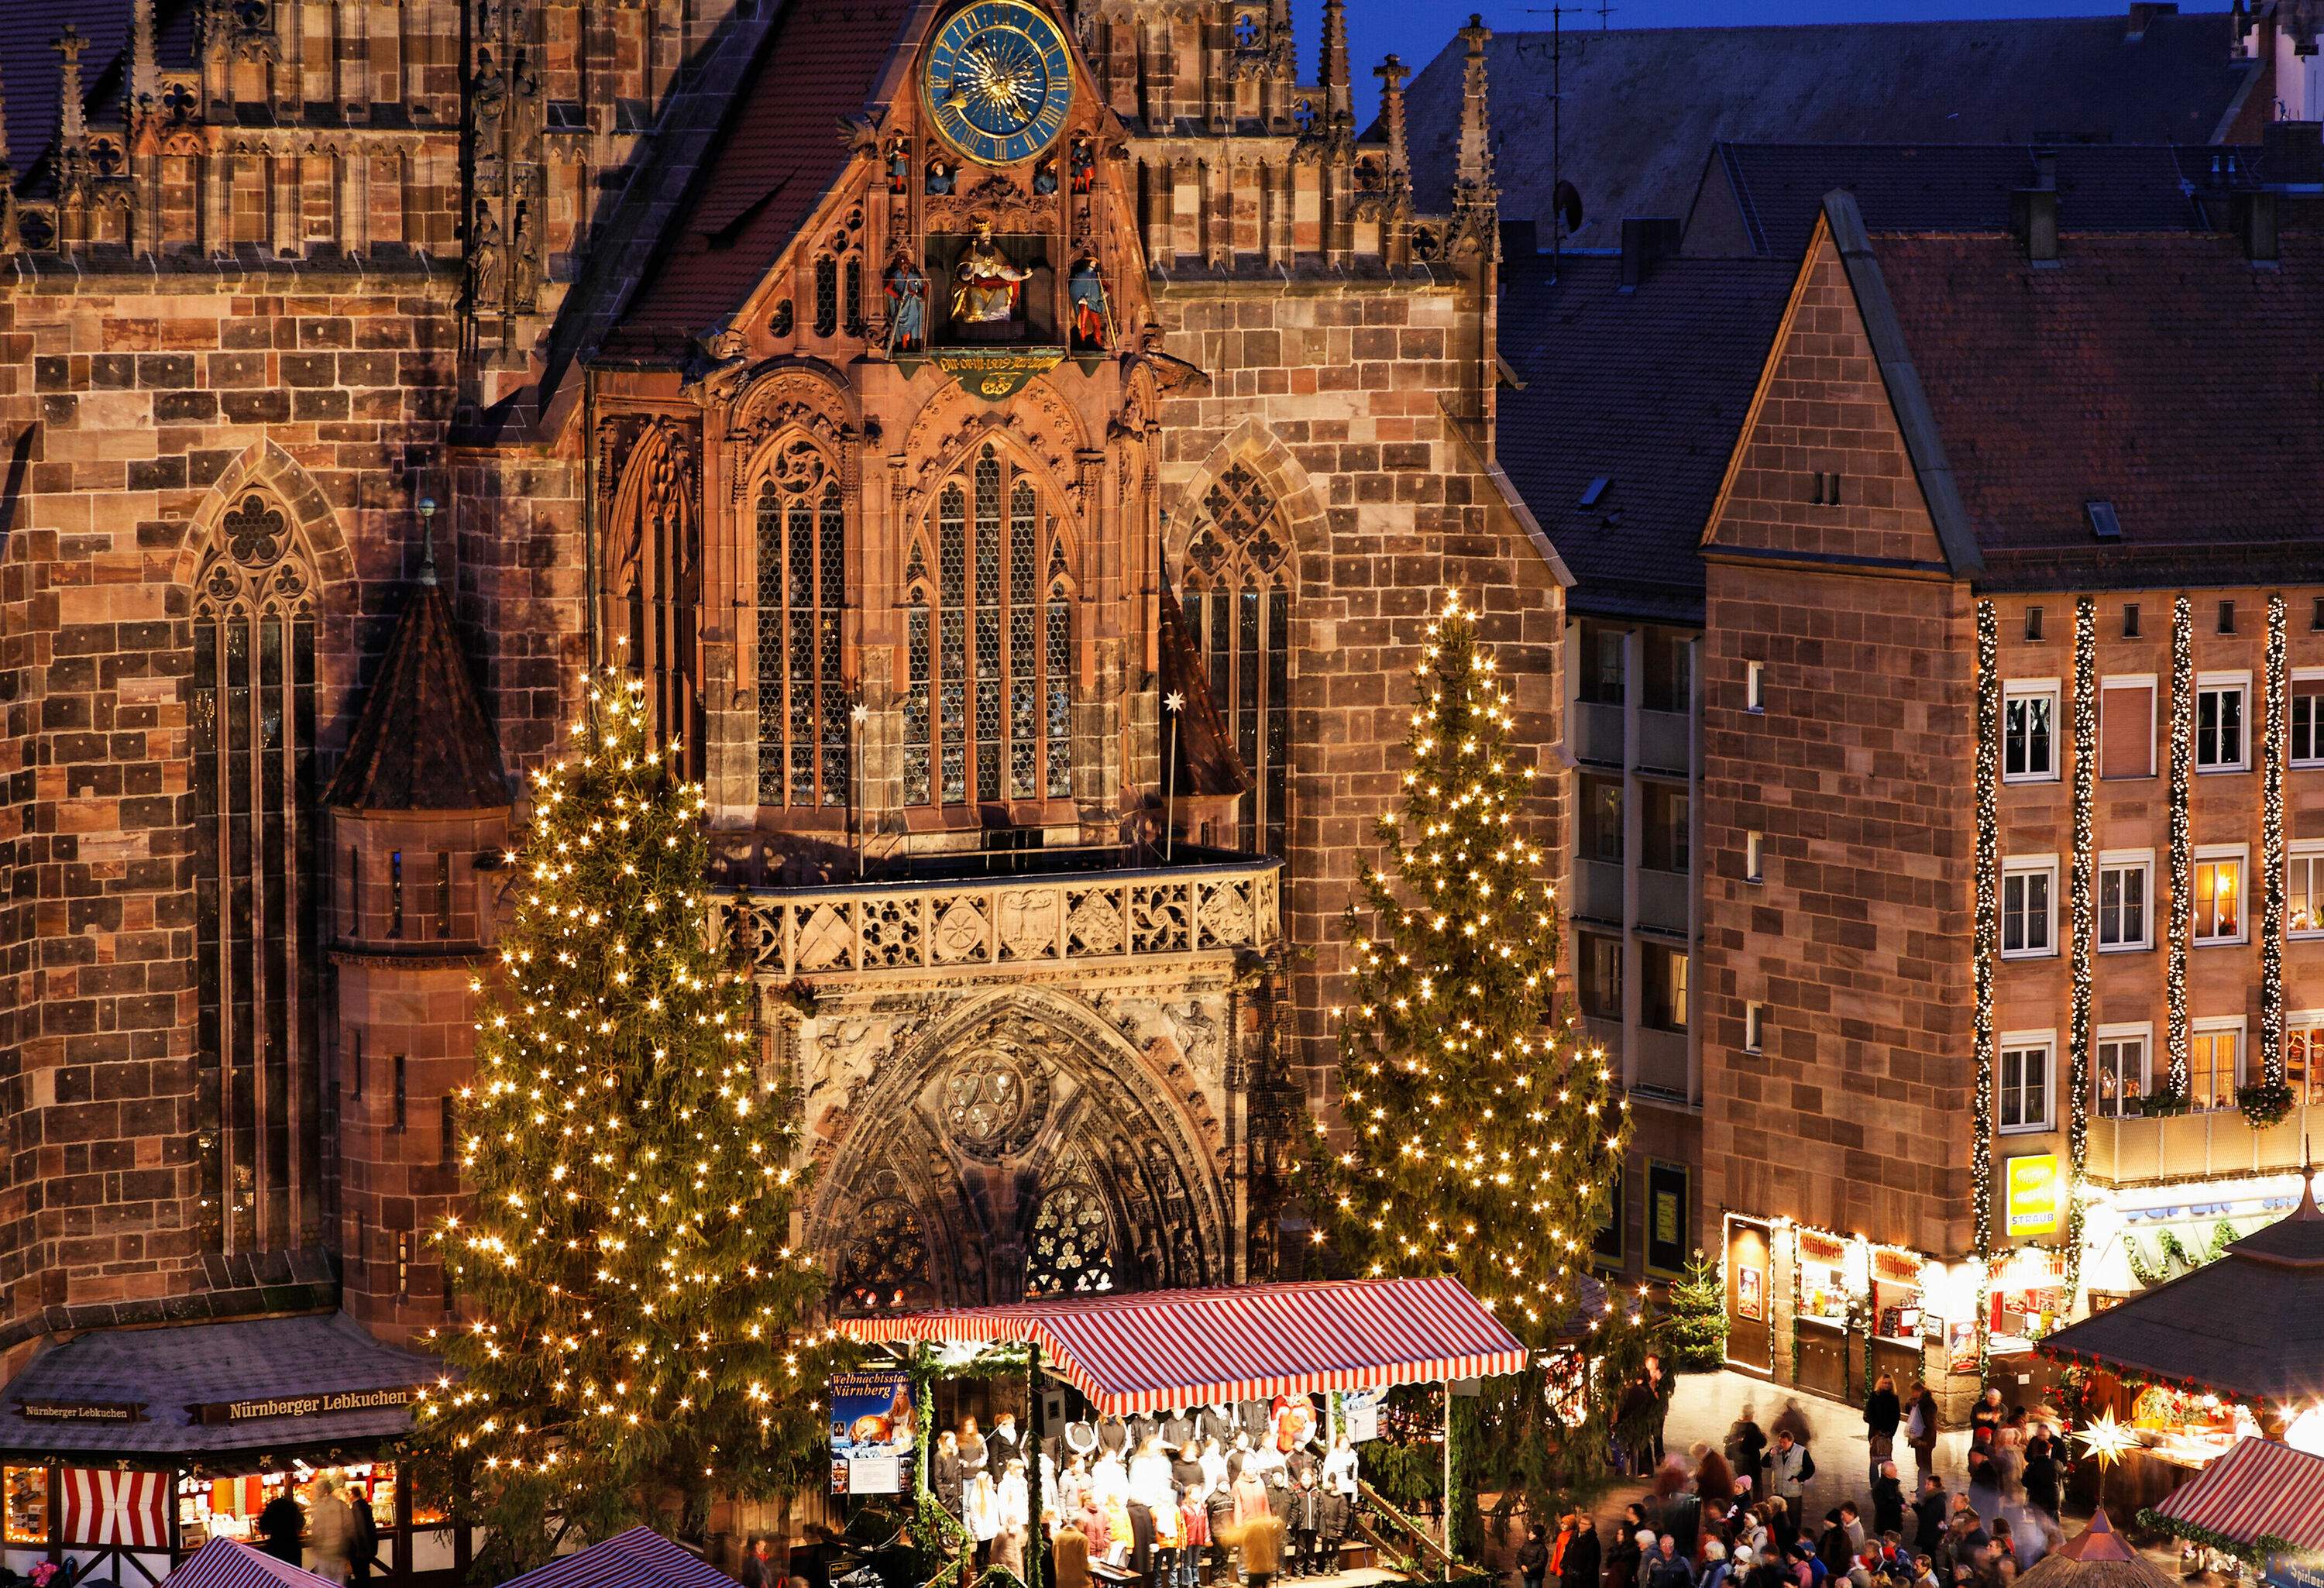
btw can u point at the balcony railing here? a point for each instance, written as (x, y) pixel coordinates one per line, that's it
(1598, 890)
(1598, 732)
(1665, 741)
(1662, 898)
(2215, 1141)
(896, 928)
(1659, 1064)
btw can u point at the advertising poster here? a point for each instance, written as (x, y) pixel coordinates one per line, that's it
(1749, 1298)
(873, 1428)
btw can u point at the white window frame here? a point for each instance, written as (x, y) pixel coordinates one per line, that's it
(2017, 689)
(1754, 1026)
(2022, 1042)
(2212, 853)
(2212, 1027)
(2111, 860)
(2309, 1019)
(2308, 852)
(2213, 683)
(2023, 865)
(2147, 682)
(1754, 856)
(2302, 675)
(2143, 1032)
(1755, 687)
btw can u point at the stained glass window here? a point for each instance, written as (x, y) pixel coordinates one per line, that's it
(1000, 677)
(251, 718)
(803, 704)
(1238, 580)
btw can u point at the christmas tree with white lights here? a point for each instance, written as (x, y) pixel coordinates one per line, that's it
(630, 1335)
(1482, 1141)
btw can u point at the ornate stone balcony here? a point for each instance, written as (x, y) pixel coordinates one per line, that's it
(1214, 904)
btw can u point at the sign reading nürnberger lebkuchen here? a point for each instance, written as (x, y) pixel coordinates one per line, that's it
(83, 1411)
(300, 1405)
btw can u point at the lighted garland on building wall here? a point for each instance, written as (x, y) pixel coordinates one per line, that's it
(1988, 947)
(2268, 1101)
(2172, 1097)
(2085, 928)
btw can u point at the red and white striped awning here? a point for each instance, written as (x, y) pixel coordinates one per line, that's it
(1159, 1349)
(225, 1562)
(2259, 1489)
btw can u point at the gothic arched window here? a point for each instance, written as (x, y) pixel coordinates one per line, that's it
(885, 1264)
(988, 713)
(826, 295)
(251, 729)
(1238, 580)
(1072, 1249)
(651, 565)
(803, 704)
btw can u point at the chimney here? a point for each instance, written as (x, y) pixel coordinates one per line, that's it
(2046, 170)
(2254, 222)
(2033, 215)
(1645, 240)
(2142, 12)
(2292, 154)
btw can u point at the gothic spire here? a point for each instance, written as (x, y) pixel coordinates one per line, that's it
(1392, 73)
(1473, 173)
(70, 125)
(144, 74)
(1339, 98)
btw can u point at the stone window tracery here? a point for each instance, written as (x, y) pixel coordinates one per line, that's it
(988, 710)
(803, 703)
(1072, 1249)
(251, 729)
(653, 560)
(1239, 582)
(884, 1265)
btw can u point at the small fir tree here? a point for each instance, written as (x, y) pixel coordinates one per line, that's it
(630, 1305)
(1693, 1328)
(1483, 1140)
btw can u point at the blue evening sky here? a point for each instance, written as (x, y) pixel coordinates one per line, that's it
(1417, 29)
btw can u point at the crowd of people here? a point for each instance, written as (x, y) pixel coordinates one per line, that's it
(1738, 1516)
(1190, 1497)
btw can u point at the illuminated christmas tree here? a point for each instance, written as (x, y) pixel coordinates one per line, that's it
(630, 1305)
(1482, 1141)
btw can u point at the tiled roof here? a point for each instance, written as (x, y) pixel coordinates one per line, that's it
(2163, 374)
(1643, 107)
(1764, 197)
(169, 1369)
(777, 156)
(423, 742)
(1645, 389)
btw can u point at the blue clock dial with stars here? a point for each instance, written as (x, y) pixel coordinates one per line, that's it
(998, 81)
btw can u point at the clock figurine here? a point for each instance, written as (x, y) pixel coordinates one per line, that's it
(998, 80)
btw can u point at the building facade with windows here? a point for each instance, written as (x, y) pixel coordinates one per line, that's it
(1024, 527)
(2013, 655)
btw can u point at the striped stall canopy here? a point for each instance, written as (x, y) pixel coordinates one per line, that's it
(2259, 1489)
(1173, 1348)
(639, 1558)
(128, 1508)
(225, 1562)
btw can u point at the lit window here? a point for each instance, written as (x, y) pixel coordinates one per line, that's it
(2122, 1077)
(1754, 1020)
(27, 1497)
(2215, 1064)
(1754, 696)
(2028, 740)
(1752, 851)
(2028, 907)
(2308, 720)
(2218, 898)
(2303, 1057)
(2303, 890)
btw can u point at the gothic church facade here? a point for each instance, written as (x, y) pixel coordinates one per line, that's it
(1015, 447)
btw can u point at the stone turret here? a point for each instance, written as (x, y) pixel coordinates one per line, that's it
(419, 813)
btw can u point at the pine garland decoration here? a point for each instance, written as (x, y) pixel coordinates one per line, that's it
(2182, 859)
(2085, 930)
(2268, 1101)
(1989, 922)
(632, 1313)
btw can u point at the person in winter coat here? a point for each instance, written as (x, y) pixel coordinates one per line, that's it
(946, 1475)
(1262, 1548)
(1747, 1443)
(280, 1524)
(1788, 1468)
(331, 1530)
(1533, 1556)
(1928, 1517)
(1625, 1559)
(2040, 1475)
(1669, 1569)
(1882, 1413)
(1887, 1500)
(1715, 1569)
(1921, 1432)
(365, 1553)
(1584, 1557)
(1832, 1545)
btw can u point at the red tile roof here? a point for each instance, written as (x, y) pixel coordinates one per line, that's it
(2164, 373)
(777, 156)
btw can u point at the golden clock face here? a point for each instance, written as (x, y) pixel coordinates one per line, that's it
(998, 81)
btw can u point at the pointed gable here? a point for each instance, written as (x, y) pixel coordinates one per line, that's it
(423, 742)
(1838, 400)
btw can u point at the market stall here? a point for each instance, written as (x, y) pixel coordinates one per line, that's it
(2228, 1351)
(1164, 1353)
(2258, 1500)
(227, 1562)
(634, 1559)
(124, 1451)
(1821, 1314)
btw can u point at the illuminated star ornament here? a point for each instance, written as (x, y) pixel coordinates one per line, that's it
(2106, 1439)
(1174, 702)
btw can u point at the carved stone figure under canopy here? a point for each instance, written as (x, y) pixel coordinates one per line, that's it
(907, 307)
(986, 282)
(1093, 316)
